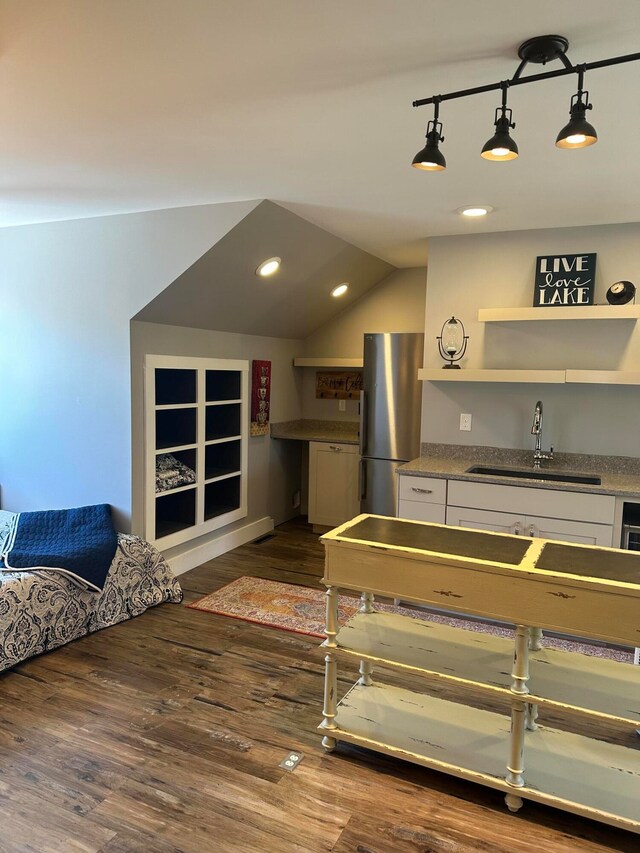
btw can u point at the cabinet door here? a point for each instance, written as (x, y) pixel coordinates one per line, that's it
(333, 483)
(421, 511)
(585, 533)
(482, 519)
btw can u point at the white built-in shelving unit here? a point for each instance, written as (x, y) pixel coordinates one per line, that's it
(196, 409)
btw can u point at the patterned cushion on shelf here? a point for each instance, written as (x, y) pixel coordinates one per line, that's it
(172, 473)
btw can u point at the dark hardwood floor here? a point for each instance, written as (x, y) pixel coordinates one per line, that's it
(165, 733)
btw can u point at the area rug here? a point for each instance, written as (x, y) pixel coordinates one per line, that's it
(301, 610)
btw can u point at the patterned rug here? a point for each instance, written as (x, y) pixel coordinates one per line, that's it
(301, 610)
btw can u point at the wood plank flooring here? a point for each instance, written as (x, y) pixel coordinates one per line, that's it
(164, 734)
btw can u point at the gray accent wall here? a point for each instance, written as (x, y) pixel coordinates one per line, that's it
(497, 271)
(69, 290)
(222, 292)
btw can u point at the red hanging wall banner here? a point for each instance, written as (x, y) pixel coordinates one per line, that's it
(260, 397)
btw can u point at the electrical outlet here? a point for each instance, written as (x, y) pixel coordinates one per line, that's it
(291, 761)
(465, 423)
(342, 405)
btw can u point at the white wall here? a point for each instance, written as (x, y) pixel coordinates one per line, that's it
(274, 466)
(497, 270)
(69, 290)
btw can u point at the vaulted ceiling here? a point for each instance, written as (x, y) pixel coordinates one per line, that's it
(130, 105)
(221, 290)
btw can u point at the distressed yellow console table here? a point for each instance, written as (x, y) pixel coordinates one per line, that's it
(582, 590)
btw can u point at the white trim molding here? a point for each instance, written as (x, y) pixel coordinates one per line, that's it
(194, 556)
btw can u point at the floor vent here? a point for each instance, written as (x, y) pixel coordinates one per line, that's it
(264, 538)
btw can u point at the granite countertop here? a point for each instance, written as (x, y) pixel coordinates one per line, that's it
(620, 475)
(342, 432)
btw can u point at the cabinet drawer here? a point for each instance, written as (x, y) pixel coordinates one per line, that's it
(420, 511)
(334, 447)
(548, 503)
(424, 489)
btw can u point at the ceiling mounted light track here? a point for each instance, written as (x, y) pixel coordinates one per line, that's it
(578, 133)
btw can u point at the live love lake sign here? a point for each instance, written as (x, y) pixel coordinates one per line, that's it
(565, 280)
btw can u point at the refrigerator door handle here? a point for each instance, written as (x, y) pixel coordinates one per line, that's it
(363, 480)
(363, 422)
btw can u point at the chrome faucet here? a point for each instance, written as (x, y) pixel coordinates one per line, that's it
(536, 430)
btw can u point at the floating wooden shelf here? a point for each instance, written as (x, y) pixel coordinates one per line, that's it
(579, 312)
(327, 362)
(604, 377)
(543, 377)
(482, 375)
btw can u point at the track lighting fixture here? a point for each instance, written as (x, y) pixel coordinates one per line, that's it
(501, 146)
(578, 133)
(430, 158)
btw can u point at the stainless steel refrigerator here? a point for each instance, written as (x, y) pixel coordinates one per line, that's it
(390, 407)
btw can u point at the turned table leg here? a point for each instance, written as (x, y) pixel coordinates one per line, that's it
(519, 678)
(535, 639)
(366, 667)
(366, 602)
(331, 669)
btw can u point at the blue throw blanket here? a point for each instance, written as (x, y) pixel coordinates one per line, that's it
(79, 543)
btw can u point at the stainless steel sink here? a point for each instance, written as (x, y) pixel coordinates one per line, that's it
(533, 474)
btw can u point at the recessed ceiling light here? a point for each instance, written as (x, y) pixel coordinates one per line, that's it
(475, 210)
(341, 289)
(269, 266)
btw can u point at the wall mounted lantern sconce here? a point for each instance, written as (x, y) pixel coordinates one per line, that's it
(452, 342)
(578, 133)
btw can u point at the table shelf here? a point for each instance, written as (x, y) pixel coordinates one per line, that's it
(559, 679)
(587, 777)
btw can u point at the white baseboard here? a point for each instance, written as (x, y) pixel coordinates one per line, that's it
(195, 556)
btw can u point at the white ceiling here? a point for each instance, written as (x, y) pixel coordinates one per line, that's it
(111, 106)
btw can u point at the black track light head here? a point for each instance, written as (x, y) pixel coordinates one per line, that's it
(578, 133)
(501, 146)
(430, 158)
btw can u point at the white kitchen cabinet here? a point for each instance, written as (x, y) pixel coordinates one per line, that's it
(422, 499)
(585, 533)
(546, 513)
(334, 495)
